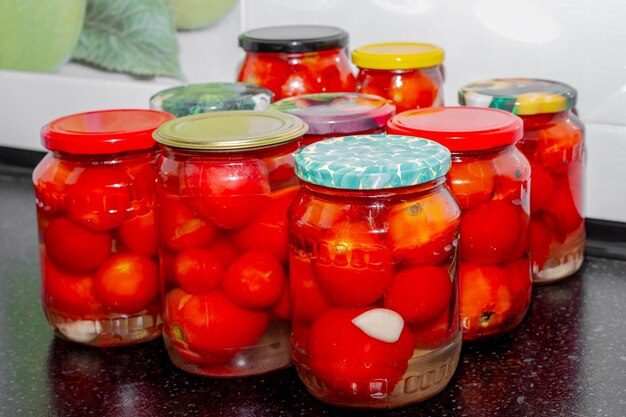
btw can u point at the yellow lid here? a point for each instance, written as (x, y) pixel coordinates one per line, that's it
(538, 103)
(397, 56)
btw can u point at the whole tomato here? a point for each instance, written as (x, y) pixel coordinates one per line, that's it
(419, 294)
(127, 283)
(424, 232)
(436, 333)
(520, 283)
(490, 233)
(347, 360)
(563, 209)
(198, 270)
(485, 298)
(471, 182)
(512, 177)
(70, 295)
(541, 239)
(268, 232)
(542, 187)
(308, 300)
(52, 176)
(559, 144)
(74, 248)
(180, 229)
(139, 233)
(211, 324)
(256, 280)
(352, 266)
(99, 198)
(412, 90)
(311, 217)
(282, 309)
(229, 195)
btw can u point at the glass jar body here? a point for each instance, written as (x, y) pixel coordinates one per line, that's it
(223, 249)
(407, 89)
(492, 189)
(98, 246)
(293, 74)
(554, 145)
(360, 255)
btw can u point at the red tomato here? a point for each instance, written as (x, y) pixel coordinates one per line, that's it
(174, 302)
(282, 309)
(143, 176)
(280, 167)
(558, 145)
(311, 218)
(424, 232)
(256, 280)
(211, 324)
(520, 283)
(412, 90)
(99, 198)
(541, 188)
(228, 195)
(198, 270)
(485, 299)
(471, 182)
(353, 267)
(179, 229)
(299, 82)
(419, 294)
(308, 300)
(268, 232)
(563, 209)
(71, 295)
(436, 333)
(490, 233)
(139, 234)
(225, 250)
(512, 177)
(269, 71)
(51, 178)
(74, 248)
(166, 269)
(127, 283)
(540, 241)
(348, 361)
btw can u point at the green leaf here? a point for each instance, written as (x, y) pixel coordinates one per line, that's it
(132, 36)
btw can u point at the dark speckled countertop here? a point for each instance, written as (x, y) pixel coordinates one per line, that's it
(568, 358)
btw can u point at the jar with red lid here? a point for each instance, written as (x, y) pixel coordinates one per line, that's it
(225, 180)
(96, 208)
(373, 264)
(554, 144)
(338, 114)
(489, 179)
(295, 60)
(409, 74)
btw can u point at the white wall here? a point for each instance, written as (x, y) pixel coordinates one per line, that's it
(581, 42)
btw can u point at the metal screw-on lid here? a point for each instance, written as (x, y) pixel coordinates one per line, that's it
(372, 162)
(523, 96)
(230, 130)
(297, 38)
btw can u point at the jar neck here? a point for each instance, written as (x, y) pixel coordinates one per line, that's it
(482, 153)
(412, 191)
(295, 55)
(108, 158)
(279, 149)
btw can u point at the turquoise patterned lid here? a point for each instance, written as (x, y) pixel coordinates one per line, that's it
(209, 97)
(372, 162)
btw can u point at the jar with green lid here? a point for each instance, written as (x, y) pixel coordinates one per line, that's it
(225, 180)
(373, 264)
(191, 99)
(96, 212)
(554, 144)
(338, 114)
(409, 74)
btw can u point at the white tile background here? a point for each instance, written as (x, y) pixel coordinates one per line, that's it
(581, 42)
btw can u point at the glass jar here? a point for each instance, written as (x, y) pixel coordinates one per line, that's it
(373, 234)
(97, 233)
(190, 99)
(489, 179)
(225, 180)
(295, 60)
(408, 74)
(338, 114)
(554, 144)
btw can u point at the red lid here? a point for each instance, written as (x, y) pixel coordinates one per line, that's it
(104, 131)
(460, 128)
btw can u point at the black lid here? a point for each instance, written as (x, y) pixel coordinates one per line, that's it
(300, 38)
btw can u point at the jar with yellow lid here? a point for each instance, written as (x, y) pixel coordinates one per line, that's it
(407, 73)
(553, 142)
(225, 180)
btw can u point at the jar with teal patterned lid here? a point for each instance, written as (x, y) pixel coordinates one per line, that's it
(554, 144)
(373, 266)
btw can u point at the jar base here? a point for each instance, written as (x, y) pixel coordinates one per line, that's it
(428, 373)
(118, 331)
(271, 353)
(566, 262)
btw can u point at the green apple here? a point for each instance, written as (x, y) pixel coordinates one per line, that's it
(39, 35)
(195, 14)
